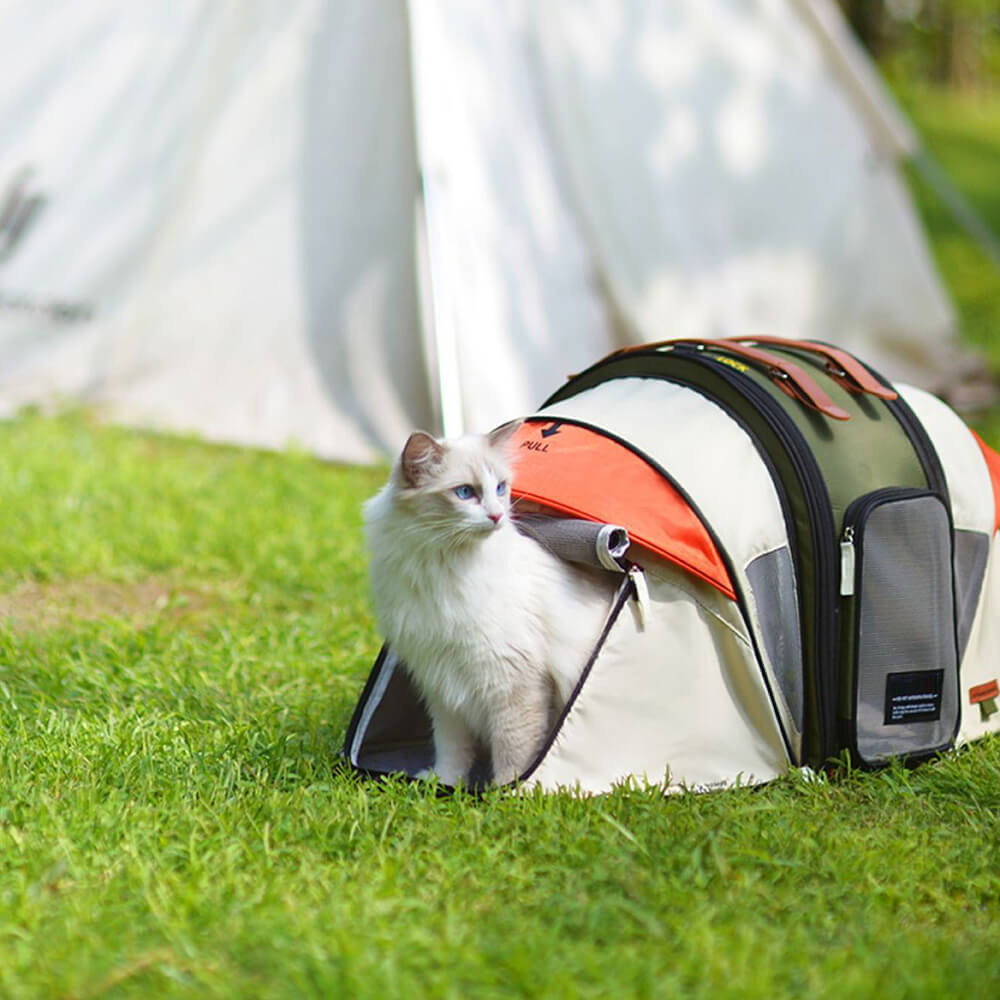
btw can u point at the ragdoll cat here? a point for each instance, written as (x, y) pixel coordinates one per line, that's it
(493, 628)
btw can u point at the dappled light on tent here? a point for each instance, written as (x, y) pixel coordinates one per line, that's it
(225, 209)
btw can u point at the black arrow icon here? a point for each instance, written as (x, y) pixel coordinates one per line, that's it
(553, 428)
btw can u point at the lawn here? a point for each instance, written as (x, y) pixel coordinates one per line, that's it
(184, 630)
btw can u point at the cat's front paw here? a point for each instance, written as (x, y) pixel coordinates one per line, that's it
(452, 778)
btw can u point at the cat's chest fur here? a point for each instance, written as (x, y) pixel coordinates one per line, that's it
(468, 622)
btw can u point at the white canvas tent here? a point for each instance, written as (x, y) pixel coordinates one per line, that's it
(329, 221)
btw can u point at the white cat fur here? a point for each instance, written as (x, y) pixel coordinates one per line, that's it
(493, 628)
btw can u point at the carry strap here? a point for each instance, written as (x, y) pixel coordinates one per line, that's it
(787, 375)
(840, 366)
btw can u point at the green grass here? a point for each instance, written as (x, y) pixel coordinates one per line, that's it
(184, 630)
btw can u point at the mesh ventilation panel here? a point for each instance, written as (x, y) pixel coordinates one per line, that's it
(906, 664)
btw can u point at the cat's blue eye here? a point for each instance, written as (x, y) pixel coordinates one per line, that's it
(464, 492)
(501, 489)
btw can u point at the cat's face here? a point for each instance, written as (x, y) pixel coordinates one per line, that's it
(460, 486)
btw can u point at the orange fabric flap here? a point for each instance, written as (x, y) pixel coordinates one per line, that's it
(584, 474)
(993, 464)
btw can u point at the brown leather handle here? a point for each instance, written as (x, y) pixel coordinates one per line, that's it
(841, 366)
(787, 375)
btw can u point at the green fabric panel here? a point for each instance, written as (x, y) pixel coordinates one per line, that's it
(856, 456)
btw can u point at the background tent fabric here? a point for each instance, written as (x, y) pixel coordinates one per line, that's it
(330, 221)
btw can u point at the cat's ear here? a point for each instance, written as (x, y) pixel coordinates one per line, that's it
(499, 437)
(421, 458)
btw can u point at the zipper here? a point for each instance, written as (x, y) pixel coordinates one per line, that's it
(858, 510)
(922, 445)
(822, 532)
(640, 593)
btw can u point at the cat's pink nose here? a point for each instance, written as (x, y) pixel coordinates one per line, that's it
(495, 518)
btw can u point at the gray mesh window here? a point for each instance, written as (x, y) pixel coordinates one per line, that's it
(971, 551)
(906, 663)
(772, 580)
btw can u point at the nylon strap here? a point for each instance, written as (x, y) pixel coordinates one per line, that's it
(840, 365)
(787, 375)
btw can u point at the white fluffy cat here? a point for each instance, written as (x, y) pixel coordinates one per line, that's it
(494, 629)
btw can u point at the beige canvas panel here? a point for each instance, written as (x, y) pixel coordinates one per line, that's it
(680, 703)
(971, 494)
(969, 486)
(981, 663)
(712, 459)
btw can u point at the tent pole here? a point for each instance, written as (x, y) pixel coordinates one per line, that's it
(961, 211)
(437, 308)
(437, 317)
(895, 134)
(855, 72)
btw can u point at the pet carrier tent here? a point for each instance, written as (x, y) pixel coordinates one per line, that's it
(331, 221)
(814, 566)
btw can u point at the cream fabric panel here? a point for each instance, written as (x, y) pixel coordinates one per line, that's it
(969, 486)
(981, 662)
(971, 493)
(712, 459)
(681, 702)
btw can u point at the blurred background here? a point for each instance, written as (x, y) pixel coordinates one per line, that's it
(954, 44)
(941, 59)
(325, 222)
